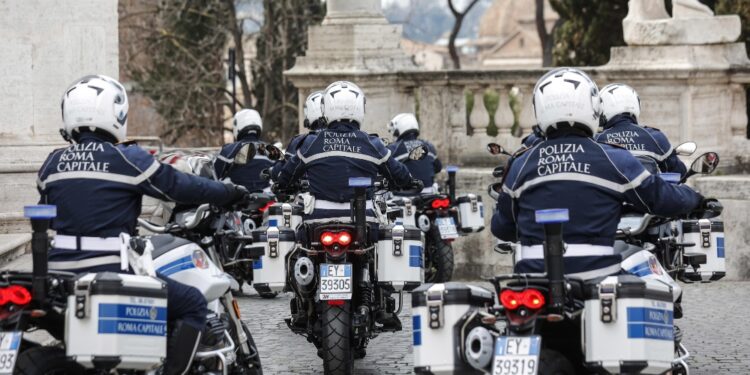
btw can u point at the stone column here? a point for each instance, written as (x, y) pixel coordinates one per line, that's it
(46, 45)
(355, 42)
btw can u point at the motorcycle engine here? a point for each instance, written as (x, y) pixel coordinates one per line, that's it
(213, 332)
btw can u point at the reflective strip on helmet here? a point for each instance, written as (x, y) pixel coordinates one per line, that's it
(352, 155)
(130, 180)
(578, 177)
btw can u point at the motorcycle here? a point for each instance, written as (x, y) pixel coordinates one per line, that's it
(554, 324)
(443, 218)
(106, 321)
(231, 243)
(344, 276)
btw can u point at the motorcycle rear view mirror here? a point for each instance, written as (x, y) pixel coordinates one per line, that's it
(418, 153)
(246, 153)
(686, 149)
(274, 153)
(496, 149)
(705, 164)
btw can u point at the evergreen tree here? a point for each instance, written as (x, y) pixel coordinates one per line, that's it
(588, 30)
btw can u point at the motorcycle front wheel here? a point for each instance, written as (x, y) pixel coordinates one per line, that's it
(46, 360)
(249, 364)
(338, 354)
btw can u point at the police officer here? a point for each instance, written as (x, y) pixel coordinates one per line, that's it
(338, 152)
(570, 170)
(620, 110)
(314, 121)
(405, 128)
(247, 127)
(97, 185)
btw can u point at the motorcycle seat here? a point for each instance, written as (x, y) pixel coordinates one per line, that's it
(625, 250)
(163, 243)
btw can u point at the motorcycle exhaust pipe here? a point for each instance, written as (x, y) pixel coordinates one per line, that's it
(480, 345)
(554, 248)
(304, 272)
(40, 216)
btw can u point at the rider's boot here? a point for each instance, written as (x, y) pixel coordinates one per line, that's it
(181, 348)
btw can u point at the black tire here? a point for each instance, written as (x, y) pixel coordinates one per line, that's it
(268, 295)
(338, 354)
(440, 265)
(265, 292)
(250, 364)
(554, 363)
(46, 360)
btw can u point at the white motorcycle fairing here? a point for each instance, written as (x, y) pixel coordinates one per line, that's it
(187, 263)
(645, 265)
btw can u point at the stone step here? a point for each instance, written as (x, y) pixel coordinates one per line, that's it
(13, 246)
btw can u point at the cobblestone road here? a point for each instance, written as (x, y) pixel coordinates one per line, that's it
(716, 329)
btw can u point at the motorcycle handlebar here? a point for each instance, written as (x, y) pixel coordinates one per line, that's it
(192, 223)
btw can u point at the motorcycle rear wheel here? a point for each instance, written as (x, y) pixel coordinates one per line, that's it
(440, 267)
(338, 354)
(554, 363)
(46, 360)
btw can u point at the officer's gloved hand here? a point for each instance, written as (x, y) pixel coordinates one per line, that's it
(265, 174)
(238, 195)
(417, 184)
(710, 207)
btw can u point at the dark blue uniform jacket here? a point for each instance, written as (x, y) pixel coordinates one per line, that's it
(333, 155)
(590, 179)
(247, 175)
(98, 188)
(642, 141)
(424, 169)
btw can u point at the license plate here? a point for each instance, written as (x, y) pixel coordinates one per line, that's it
(9, 344)
(447, 227)
(517, 355)
(335, 281)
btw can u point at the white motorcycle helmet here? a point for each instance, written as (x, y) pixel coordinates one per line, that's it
(247, 119)
(343, 100)
(312, 109)
(96, 102)
(566, 95)
(403, 123)
(618, 98)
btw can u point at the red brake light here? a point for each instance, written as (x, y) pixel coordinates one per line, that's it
(344, 239)
(510, 299)
(336, 302)
(530, 298)
(533, 299)
(15, 294)
(267, 206)
(327, 238)
(441, 203)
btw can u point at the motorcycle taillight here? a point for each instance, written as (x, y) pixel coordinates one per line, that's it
(336, 243)
(441, 203)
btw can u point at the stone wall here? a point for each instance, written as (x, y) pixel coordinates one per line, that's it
(734, 194)
(46, 45)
